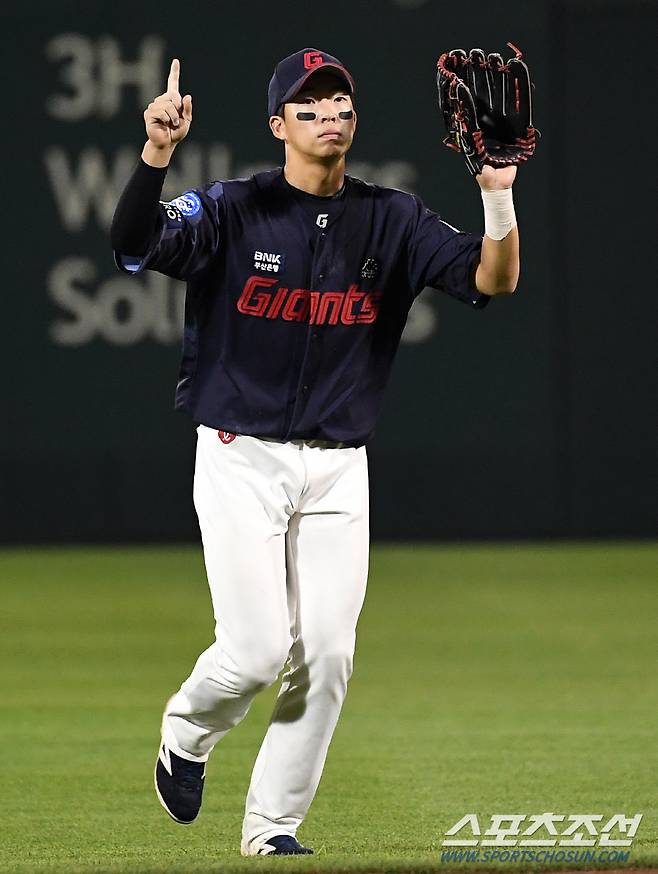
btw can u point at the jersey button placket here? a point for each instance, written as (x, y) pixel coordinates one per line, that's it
(319, 261)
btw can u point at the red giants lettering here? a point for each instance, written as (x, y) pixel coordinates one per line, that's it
(351, 307)
(257, 304)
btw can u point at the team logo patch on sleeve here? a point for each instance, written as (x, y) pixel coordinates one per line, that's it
(189, 203)
(173, 213)
(269, 262)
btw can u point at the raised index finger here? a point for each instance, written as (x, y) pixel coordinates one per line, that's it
(174, 72)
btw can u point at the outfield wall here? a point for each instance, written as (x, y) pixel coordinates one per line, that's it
(531, 418)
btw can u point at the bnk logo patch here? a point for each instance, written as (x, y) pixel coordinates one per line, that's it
(269, 262)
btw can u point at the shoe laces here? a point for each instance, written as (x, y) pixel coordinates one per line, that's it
(189, 778)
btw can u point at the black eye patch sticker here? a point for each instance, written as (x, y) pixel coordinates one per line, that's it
(311, 116)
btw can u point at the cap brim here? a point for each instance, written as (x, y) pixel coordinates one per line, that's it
(344, 75)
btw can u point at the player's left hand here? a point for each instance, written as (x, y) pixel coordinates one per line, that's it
(496, 178)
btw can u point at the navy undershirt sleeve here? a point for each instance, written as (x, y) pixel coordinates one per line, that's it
(137, 211)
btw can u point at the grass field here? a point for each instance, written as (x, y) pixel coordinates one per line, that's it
(488, 679)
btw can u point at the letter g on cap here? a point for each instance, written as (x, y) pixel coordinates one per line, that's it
(312, 60)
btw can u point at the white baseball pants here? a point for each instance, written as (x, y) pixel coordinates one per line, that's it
(285, 530)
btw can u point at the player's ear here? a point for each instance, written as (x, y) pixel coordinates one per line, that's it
(278, 127)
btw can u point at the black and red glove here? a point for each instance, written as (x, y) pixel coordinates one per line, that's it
(487, 107)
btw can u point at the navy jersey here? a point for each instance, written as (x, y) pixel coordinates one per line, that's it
(294, 310)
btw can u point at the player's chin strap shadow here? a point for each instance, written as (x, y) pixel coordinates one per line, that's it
(311, 116)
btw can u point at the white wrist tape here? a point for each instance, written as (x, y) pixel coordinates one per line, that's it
(499, 217)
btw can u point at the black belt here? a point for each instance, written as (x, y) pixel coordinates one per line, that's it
(321, 444)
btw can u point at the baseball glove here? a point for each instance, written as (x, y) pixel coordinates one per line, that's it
(487, 107)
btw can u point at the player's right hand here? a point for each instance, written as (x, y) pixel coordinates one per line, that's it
(169, 117)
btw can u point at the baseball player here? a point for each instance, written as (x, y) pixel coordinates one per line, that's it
(299, 282)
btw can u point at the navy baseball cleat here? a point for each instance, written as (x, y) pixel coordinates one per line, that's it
(179, 785)
(283, 845)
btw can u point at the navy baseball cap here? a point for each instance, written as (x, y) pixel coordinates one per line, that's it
(292, 72)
